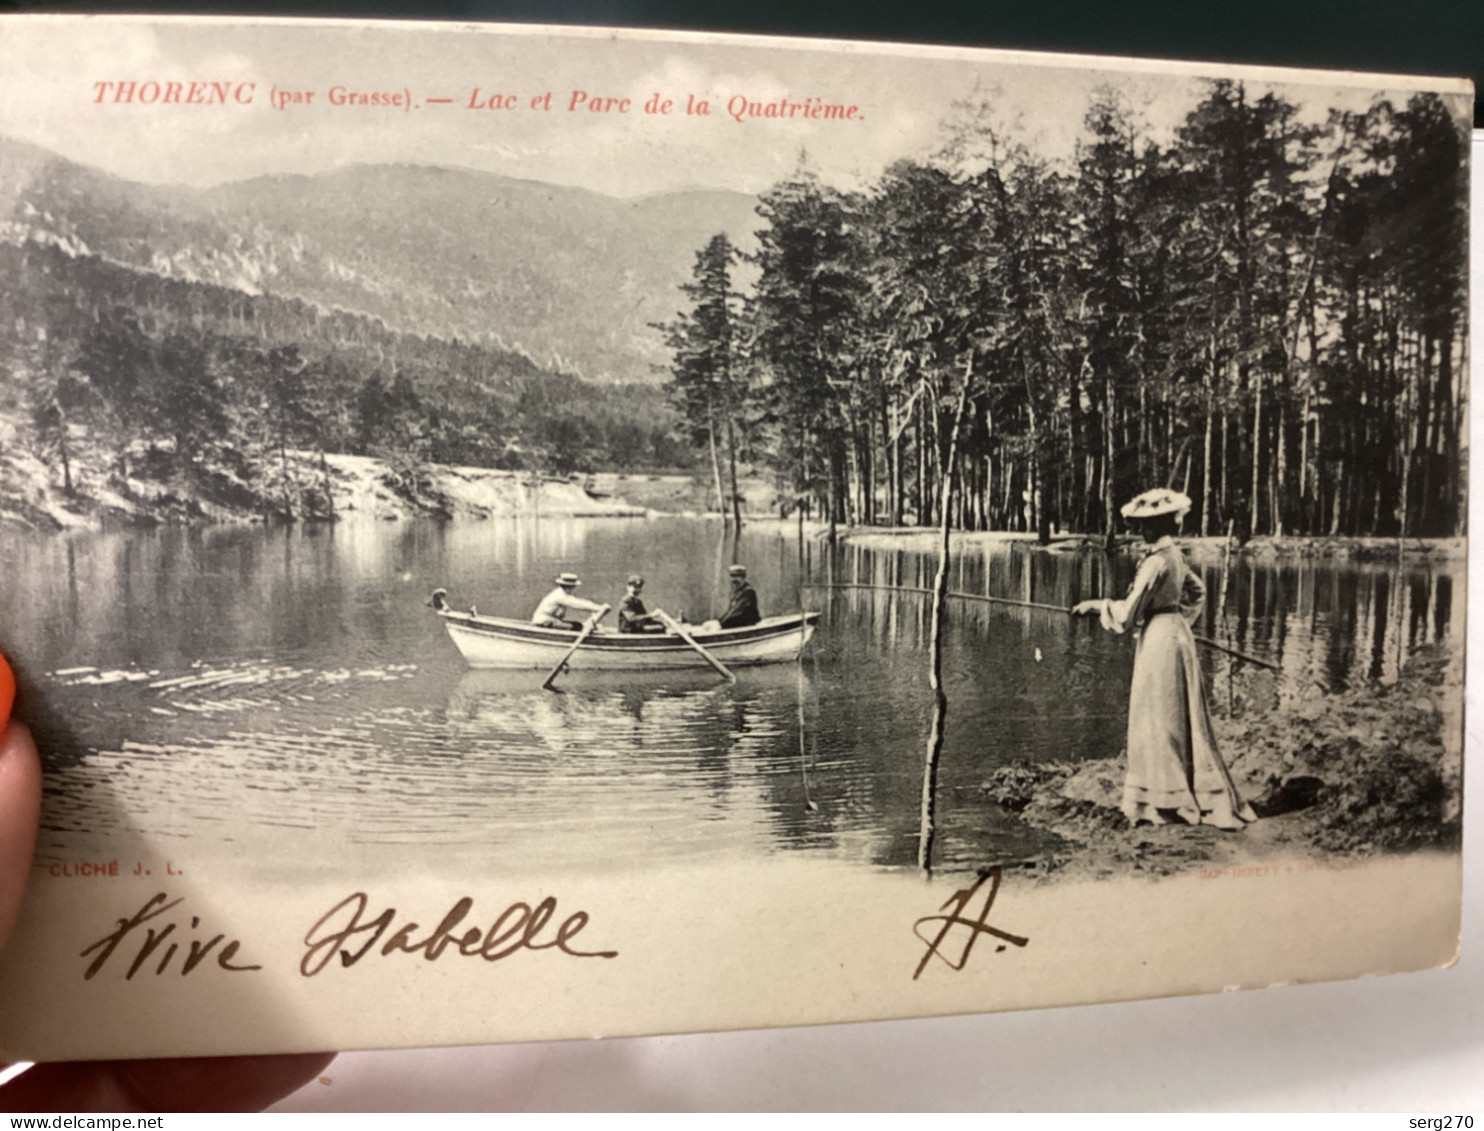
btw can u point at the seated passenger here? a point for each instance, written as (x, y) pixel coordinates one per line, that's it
(742, 611)
(557, 607)
(632, 615)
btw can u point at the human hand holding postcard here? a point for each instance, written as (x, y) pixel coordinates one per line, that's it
(528, 533)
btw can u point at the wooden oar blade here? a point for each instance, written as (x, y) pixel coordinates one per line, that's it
(576, 644)
(679, 630)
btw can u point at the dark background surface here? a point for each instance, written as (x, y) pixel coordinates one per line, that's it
(1437, 37)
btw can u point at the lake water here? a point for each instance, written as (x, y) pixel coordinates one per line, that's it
(283, 699)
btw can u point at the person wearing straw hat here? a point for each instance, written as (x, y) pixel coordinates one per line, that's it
(557, 607)
(1175, 769)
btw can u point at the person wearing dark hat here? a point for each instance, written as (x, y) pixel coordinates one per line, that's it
(742, 611)
(1175, 769)
(632, 615)
(557, 607)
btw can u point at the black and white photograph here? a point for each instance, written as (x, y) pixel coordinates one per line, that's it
(497, 511)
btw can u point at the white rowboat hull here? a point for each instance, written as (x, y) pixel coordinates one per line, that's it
(494, 642)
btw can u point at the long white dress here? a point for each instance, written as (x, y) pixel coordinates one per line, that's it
(1175, 770)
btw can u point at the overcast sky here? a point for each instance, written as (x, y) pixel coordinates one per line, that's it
(48, 68)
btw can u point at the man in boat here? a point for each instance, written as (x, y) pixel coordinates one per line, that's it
(558, 608)
(632, 615)
(742, 612)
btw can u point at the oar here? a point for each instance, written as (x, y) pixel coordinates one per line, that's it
(679, 630)
(587, 630)
(810, 805)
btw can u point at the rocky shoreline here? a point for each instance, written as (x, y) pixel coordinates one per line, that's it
(300, 487)
(1375, 769)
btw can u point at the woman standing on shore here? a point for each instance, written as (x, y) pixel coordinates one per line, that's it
(1175, 771)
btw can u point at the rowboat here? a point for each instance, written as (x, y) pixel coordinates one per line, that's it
(497, 642)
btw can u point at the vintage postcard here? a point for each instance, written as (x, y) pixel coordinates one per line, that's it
(518, 532)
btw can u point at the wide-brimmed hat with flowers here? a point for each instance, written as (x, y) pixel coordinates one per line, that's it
(1152, 504)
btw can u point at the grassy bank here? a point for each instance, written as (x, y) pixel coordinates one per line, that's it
(1375, 769)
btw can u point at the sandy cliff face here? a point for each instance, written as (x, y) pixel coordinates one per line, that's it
(365, 486)
(304, 486)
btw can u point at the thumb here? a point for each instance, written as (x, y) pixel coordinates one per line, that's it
(20, 808)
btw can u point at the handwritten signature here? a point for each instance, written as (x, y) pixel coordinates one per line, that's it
(955, 918)
(149, 939)
(157, 934)
(345, 930)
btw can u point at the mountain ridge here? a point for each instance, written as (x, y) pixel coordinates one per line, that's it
(567, 274)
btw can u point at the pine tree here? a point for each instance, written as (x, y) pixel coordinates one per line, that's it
(708, 383)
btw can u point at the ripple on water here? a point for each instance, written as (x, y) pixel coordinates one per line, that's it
(315, 712)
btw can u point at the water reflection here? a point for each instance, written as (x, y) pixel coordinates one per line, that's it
(283, 696)
(1337, 621)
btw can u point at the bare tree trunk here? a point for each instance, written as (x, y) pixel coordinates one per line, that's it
(934, 465)
(283, 471)
(922, 465)
(1427, 425)
(1305, 480)
(948, 479)
(324, 470)
(1334, 518)
(721, 503)
(1146, 472)
(732, 462)
(1226, 507)
(1278, 473)
(1206, 478)
(986, 494)
(1254, 521)
(1452, 463)
(1408, 424)
(893, 486)
(897, 474)
(1108, 458)
(1169, 464)
(66, 459)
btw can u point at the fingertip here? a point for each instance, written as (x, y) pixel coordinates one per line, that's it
(20, 810)
(20, 770)
(7, 692)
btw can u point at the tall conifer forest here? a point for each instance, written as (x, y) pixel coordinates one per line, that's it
(1266, 310)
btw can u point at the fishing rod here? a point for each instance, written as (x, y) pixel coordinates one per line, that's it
(1206, 640)
(929, 593)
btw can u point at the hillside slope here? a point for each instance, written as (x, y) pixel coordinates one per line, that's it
(569, 276)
